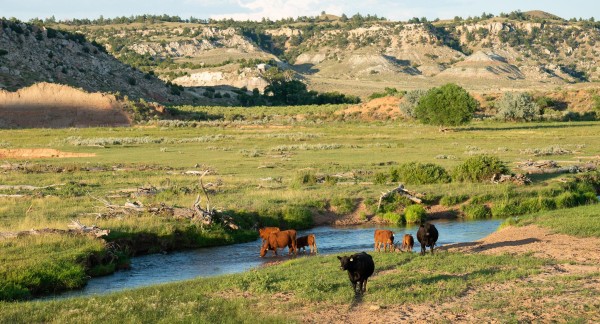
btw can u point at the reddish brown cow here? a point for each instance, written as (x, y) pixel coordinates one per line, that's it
(278, 240)
(384, 237)
(266, 231)
(408, 242)
(309, 240)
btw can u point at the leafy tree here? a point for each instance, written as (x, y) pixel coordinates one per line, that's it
(448, 105)
(517, 107)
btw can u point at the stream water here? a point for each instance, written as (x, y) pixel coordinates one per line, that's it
(162, 268)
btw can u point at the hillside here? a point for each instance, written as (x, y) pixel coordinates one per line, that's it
(31, 54)
(208, 62)
(513, 51)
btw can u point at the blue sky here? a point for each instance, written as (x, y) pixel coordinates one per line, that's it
(275, 9)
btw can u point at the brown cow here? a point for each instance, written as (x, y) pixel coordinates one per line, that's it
(308, 240)
(266, 231)
(385, 237)
(280, 239)
(408, 242)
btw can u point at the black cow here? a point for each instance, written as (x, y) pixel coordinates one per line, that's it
(427, 236)
(360, 267)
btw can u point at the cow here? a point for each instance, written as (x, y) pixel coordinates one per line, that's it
(385, 237)
(308, 240)
(408, 242)
(427, 236)
(280, 239)
(266, 231)
(360, 267)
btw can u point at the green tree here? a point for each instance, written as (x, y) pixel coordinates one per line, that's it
(448, 105)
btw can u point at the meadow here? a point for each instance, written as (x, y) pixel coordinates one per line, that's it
(270, 166)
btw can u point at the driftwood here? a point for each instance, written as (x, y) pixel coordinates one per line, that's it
(549, 166)
(518, 179)
(75, 228)
(95, 230)
(413, 196)
(196, 213)
(28, 187)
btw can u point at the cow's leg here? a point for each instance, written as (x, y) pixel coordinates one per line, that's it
(432, 248)
(375, 247)
(354, 286)
(423, 247)
(364, 288)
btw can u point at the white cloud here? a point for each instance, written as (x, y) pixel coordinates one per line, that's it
(277, 9)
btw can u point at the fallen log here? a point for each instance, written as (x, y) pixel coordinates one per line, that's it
(413, 196)
(75, 228)
(95, 230)
(28, 187)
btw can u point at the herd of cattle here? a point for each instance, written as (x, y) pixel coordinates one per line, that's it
(360, 266)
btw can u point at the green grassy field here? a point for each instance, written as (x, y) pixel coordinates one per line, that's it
(257, 161)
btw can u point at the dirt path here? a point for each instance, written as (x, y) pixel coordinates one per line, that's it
(518, 299)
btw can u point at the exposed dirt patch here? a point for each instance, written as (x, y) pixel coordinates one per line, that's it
(55, 106)
(537, 240)
(377, 109)
(39, 153)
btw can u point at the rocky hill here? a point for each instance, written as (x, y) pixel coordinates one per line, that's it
(31, 54)
(354, 55)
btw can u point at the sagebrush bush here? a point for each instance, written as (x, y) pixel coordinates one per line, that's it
(517, 107)
(410, 101)
(476, 211)
(452, 200)
(479, 168)
(420, 173)
(415, 214)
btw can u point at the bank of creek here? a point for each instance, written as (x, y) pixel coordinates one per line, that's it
(163, 268)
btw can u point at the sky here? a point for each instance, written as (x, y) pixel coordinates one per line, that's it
(396, 10)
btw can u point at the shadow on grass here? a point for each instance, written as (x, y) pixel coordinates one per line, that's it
(478, 247)
(525, 127)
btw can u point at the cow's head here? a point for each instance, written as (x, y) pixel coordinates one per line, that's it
(346, 262)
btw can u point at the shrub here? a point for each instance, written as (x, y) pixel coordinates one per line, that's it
(305, 177)
(448, 105)
(410, 101)
(478, 168)
(380, 178)
(517, 107)
(297, 217)
(453, 200)
(415, 214)
(343, 205)
(418, 173)
(393, 218)
(476, 211)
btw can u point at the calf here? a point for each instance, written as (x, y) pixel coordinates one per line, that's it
(384, 237)
(408, 242)
(266, 231)
(278, 240)
(304, 241)
(360, 267)
(427, 236)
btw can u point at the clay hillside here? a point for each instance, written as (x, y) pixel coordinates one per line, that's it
(31, 54)
(510, 51)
